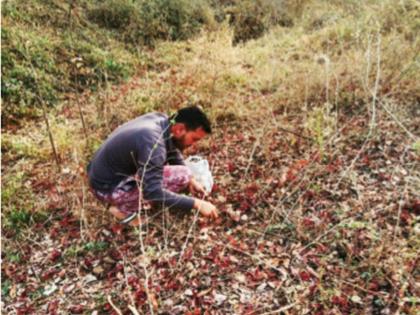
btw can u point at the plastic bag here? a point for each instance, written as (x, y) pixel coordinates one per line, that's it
(200, 169)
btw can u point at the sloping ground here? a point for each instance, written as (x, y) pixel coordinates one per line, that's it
(316, 164)
(302, 232)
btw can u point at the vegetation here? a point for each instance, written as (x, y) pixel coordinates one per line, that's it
(315, 155)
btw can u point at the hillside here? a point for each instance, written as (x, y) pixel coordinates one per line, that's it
(315, 155)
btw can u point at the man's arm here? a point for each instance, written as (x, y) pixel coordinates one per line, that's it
(151, 160)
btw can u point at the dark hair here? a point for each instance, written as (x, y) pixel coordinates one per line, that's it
(193, 117)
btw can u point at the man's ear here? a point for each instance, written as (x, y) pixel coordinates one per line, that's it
(178, 130)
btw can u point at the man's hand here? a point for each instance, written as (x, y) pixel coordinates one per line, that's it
(206, 208)
(196, 188)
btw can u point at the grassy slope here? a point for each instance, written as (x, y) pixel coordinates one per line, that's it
(335, 219)
(50, 53)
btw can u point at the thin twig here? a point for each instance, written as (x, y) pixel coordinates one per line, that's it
(50, 136)
(133, 310)
(116, 309)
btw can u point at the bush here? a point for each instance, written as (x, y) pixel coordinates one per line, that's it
(251, 19)
(114, 14)
(148, 21)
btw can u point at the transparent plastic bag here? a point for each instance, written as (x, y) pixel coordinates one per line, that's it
(200, 169)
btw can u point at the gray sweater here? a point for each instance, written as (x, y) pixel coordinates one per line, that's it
(141, 146)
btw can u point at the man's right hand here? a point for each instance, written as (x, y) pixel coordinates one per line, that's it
(206, 208)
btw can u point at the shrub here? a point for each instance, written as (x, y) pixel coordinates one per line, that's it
(116, 14)
(251, 19)
(148, 21)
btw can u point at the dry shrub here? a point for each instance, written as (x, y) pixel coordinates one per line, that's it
(145, 22)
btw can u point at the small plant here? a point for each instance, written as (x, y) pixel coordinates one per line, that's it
(74, 251)
(97, 246)
(5, 287)
(416, 147)
(320, 125)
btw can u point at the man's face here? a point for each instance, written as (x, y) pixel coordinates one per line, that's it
(184, 138)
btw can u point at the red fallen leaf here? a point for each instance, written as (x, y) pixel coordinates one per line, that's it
(88, 262)
(52, 307)
(48, 274)
(406, 217)
(320, 249)
(173, 261)
(55, 255)
(116, 228)
(119, 267)
(157, 289)
(232, 240)
(300, 164)
(172, 285)
(413, 207)
(256, 275)
(309, 195)
(373, 285)
(313, 289)
(318, 308)
(133, 281)
(222, 262)
(107, 307)
(65, 222)
(21, 277)
(340, 301)
(290, 175)
(244, 206)
(305, 276)
(74, 233)
(251, 190)
(24, 309)
(327, 216)
(230, 167)
(249, 309)
(140, 296)
(243, 246)
(308, 222)
(188, 254)
(54, 232)
(215, 188)
(365, 160)
(76, 309)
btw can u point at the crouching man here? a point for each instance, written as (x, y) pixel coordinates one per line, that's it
(141, 162)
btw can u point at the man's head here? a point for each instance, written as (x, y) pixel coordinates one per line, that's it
(188, 126)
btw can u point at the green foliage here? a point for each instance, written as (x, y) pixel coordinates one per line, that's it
(5, 287)
(39, 59)
(27, 71)
(114, 14)
(73, 251)
(251, 19)
(96, 246)
(18, 203)
(148, 21)
(173, 19)
(416, 147)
